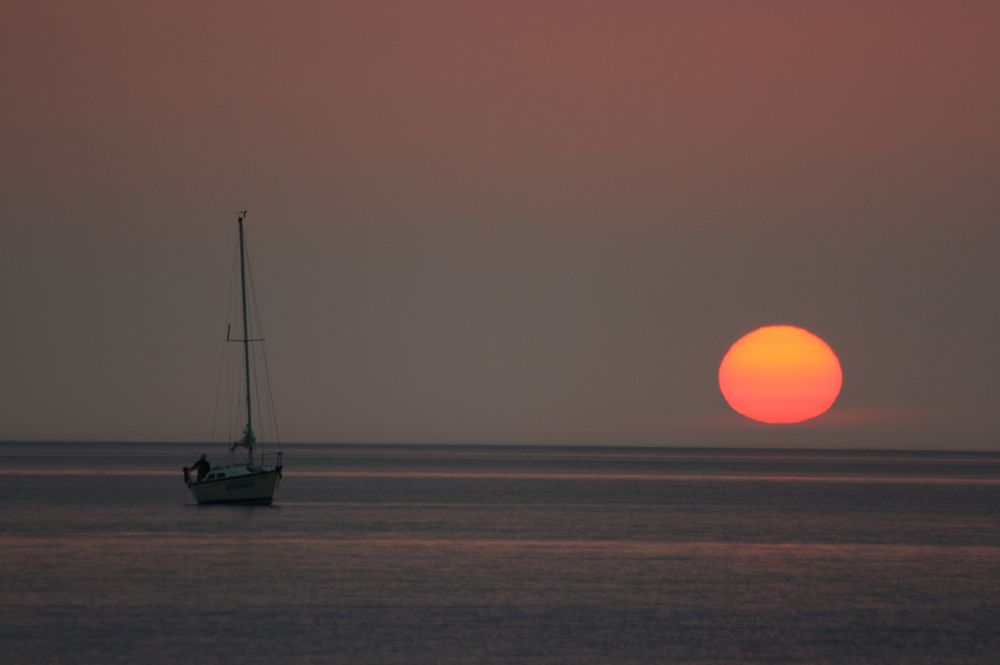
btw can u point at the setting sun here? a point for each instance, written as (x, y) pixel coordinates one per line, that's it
(780, 374)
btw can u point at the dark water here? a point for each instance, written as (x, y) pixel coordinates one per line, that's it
(503, 555)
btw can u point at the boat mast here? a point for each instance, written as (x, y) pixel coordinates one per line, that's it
(248, 436)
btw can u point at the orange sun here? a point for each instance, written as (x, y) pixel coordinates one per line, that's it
(780, 374)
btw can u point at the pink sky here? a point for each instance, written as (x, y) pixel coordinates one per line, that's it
(529, 222)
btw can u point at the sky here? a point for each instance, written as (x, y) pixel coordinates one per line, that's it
(516, 222)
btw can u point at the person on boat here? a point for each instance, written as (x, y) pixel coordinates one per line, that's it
(202, 466)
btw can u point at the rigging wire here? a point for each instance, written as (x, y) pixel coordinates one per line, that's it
(269, 394)
(223, 384)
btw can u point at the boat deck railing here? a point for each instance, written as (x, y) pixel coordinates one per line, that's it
(271, 459)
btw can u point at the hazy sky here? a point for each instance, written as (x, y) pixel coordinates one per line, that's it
(537, 222)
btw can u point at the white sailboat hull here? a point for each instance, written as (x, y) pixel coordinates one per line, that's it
(252, 488)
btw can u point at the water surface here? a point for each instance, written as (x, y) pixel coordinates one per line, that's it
(467, 554)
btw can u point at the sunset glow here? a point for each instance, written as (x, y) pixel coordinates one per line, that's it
(780, 374)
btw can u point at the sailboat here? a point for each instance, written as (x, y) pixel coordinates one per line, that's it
(247, 478)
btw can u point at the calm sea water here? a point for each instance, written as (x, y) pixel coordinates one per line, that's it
(466, 554)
